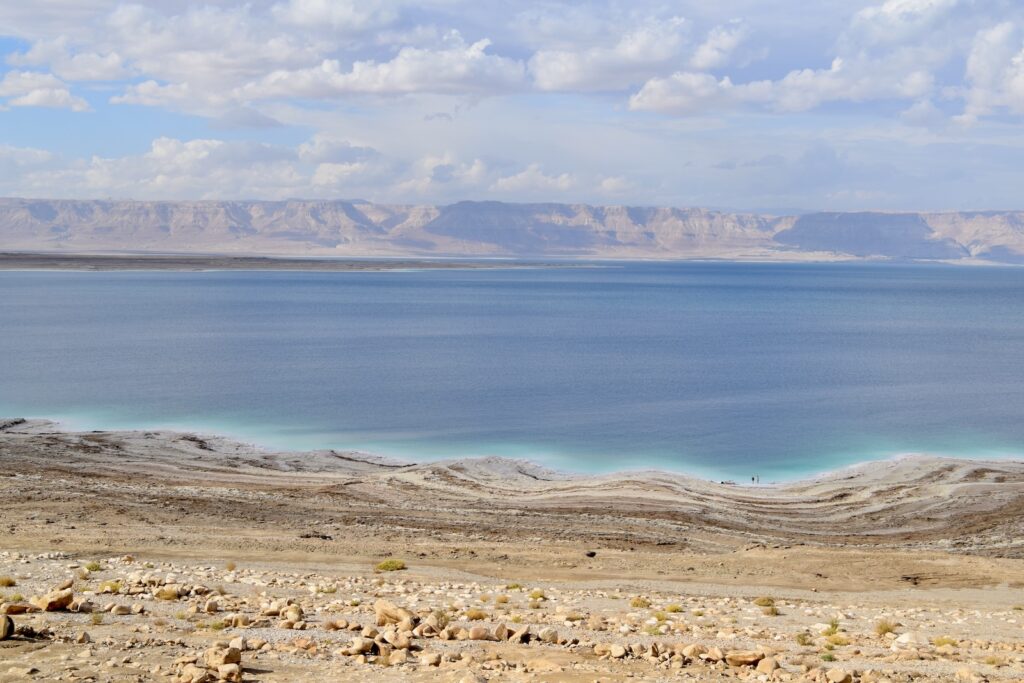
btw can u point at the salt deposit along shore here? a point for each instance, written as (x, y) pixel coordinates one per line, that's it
(138, 556)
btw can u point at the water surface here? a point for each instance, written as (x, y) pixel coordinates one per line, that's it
(718, 369)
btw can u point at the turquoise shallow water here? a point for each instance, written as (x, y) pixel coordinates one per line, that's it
(718, 369)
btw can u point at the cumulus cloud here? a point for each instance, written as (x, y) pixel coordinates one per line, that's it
(458, 68)
(718, 47)
(344, 15)
(635, 54)
(66, 62)
(995, 72)
(36, 89)
(532, 179)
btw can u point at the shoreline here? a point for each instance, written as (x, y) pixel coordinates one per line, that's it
(159, 262)
(405, 458)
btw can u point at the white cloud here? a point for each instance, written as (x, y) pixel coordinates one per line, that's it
(458, 68)
(37, 89)
(995, 72)
(58, 56)
(343, 15)
(532, 179)
(631, 59)
(718, 47)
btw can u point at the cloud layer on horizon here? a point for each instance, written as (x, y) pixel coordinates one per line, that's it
(844, 105)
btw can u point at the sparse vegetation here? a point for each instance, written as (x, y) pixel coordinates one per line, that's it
(535, 604)
(16, 597)
(514, 587)
(330, 590)
(674, 609)
(828, 657)
(475, 614)
(838, 640)
(230, 566)
(96, 618)
(7, 581)
(833, 628)
(770, 611)
(501, 600)
(537, 594)
(110, 587)
(698, 612)
(945, 640)
(804, 639)
(765, 602)
(995, 660)
(652, 630)
(884, 627)
(640, 603)
(94, 566)
(391, 566)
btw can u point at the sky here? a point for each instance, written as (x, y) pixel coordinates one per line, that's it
(769, 105)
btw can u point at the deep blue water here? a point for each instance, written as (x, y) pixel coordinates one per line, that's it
(718, 369)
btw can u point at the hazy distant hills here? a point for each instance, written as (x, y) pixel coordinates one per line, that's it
(359, 228)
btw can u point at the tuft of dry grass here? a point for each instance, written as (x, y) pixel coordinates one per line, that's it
(230, 566)
(640, 603)
(770, 611)
(804, 639)
(945, 640)
(96, 618)
(501, 600)
(838, 640)
(537, 594)
(765, 602)
(94, 566)
(884, 627)
(674, 609)
(7, 581)
(474, 614)
(391, 566)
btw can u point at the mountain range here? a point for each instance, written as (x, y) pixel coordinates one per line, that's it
(497, 229)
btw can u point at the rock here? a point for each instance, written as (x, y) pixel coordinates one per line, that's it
(839, 676)
(591, 553)
(398, 657)
(83, 638)
(191, 673)
(6, 627)
(65, 584)
(360, 646)
(910, 639)
(693, 651)
(15, 608)
(522, 635)
(230, 672)
(430, 659)
(767, 665)
(548, 635)
(215, 656)
(479, 633)
(713, 655)
(616, 651)
(239, 644)
(501, 632)
(55, 601)
(389, 613)
(212, 606)
(743, 658)
(121, 610)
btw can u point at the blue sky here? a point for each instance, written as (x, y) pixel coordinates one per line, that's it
(742, 104)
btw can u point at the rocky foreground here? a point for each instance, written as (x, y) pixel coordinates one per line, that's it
(175, 557)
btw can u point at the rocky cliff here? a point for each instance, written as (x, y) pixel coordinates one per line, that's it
(357, 228)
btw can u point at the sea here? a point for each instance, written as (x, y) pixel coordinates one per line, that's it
(720, 370)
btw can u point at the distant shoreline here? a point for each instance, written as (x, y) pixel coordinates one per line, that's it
(188, 262)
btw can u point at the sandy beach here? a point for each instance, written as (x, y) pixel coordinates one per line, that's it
(647, 562)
